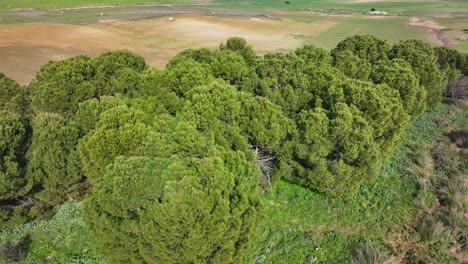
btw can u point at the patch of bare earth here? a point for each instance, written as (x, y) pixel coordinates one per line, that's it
(463, 257)
(25, 47)
(434, 30)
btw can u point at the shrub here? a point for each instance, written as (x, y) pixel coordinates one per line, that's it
(422, 166)
(370, 255)
(15, 252)
(433, 232)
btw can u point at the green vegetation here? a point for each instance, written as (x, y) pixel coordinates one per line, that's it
(57, 4)
(412, 8)
(288, 233)
(64, 239)
(301, 223)
(191, 210)
(191, 163)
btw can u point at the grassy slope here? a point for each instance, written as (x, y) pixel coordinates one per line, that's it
(300, 225)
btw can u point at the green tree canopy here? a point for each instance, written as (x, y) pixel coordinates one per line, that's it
(154, 85)
(229, 66)
(351, 65)
(283, 79)
(185, 75)
(398, 75)
(381, 107)
(132, 127)
(177, 179)
(60, 86)
(422, 58)
(366, 47)
(235, 118)
(118, 72)
(119, 131)
(450, 62)
(13, 144)
(332, 152)
(54, 166)
(13, 97)
(240, 46)
(194, 210)
(314, 54)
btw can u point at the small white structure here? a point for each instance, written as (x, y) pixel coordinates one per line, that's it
(377, 12)
(170, 19)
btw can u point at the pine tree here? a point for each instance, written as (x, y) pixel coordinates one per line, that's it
(195, 210)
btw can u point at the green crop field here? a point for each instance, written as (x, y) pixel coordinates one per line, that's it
(409, 7)
(417, 7)
(55, 4)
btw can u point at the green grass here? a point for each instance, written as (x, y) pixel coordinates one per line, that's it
(300, 225)
(62, 239)
(392, 29)
(413, 7)
(406, 7)
(55, 4)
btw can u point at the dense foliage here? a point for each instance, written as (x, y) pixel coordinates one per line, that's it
(172, 162)
(190, 210)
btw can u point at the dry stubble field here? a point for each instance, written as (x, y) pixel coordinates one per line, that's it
(24, 47)
(29, 39)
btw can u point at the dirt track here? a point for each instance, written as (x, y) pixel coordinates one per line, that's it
(434, 29)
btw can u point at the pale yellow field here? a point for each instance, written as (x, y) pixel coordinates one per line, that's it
(24, 47)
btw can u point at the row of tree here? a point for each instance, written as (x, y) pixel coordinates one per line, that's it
(171, 162)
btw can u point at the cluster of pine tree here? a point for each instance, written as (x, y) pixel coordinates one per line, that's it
(171, 163)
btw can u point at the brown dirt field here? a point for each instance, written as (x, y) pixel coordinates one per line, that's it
(25, 47)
